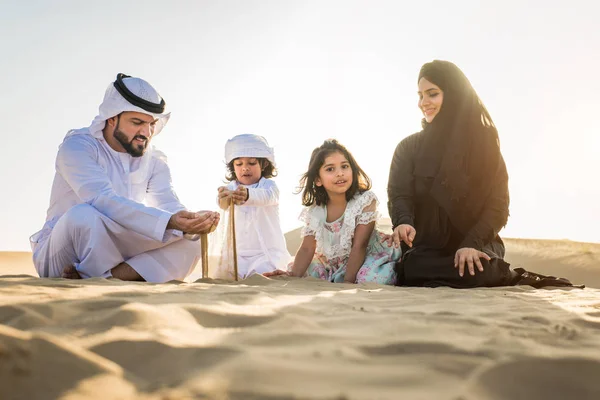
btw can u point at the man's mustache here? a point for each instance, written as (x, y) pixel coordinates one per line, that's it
(145, 139)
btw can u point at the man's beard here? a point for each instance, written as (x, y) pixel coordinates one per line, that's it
(130, 148)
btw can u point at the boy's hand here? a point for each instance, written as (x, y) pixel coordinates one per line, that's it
(240, 195)
(223, 192)
(224, 197)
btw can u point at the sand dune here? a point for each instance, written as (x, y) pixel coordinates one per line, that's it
(301, 338)
(15, 263)
(580, 262)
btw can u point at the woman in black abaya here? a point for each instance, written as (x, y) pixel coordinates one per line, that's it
(448, 191)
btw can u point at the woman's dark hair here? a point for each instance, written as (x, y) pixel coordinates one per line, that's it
(311, 193)
(460, 99)
(268, 170)
(460, 147)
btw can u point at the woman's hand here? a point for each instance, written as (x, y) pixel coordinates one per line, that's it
(277, 272)
(471, 257)
(405, 233)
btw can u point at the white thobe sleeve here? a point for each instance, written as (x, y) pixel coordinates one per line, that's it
(265, 195)
(78, 165)
(160, 192)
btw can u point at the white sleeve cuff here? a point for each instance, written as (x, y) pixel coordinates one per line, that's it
(160, 232)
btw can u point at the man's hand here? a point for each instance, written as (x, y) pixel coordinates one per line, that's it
(471, 257)
(405, 233)
(194, 222)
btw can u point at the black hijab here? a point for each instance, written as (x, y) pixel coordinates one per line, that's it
(460, 148)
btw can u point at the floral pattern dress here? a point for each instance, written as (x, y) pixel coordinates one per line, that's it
(334, 242)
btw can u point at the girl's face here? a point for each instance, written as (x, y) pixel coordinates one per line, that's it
(247, 170)
(335, 175)
(431, 98)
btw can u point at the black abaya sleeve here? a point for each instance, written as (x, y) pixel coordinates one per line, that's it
(401, 183)
(494, 214)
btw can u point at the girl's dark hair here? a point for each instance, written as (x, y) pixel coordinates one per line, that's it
(268, 170)
(311, 193)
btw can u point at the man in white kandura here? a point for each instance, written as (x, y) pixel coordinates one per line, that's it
(113, 211)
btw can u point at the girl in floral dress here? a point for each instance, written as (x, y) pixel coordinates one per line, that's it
(340, 242)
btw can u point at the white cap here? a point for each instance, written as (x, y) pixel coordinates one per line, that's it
(248, 145)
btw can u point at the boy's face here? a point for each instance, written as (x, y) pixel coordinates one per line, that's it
(247, 170)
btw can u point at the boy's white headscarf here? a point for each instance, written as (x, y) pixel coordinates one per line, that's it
(114, 104)
(248, 145)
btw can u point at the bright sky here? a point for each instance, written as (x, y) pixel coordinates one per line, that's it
(298, 72)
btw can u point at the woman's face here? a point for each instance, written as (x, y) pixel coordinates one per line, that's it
(431, 98)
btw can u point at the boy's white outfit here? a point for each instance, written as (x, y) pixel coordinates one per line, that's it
(108, 207)
(260, 243)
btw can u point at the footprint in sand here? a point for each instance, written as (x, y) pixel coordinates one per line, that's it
(141, 316)
(34, 366)
(404, 348)
(595, 314)
(150, 359)
(22, 317)
(214, 319)
(536, 379)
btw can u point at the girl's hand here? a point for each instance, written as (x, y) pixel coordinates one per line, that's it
(277, 272)
(471, 257)
(405, 233)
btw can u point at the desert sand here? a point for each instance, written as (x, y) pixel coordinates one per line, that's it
(292, 338)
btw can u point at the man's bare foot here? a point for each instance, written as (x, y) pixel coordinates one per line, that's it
(69, 272)
(125, 272)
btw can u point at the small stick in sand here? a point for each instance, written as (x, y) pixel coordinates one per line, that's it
(232, 216)
(204, 246)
